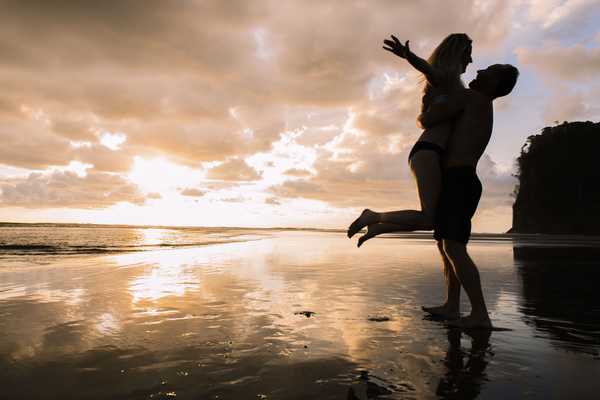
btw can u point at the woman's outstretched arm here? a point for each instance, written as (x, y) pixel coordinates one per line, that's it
(433, 75)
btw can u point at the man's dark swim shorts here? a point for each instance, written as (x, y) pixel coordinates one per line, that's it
(460, 194)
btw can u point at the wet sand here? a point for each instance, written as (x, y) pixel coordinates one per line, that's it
(297, 315)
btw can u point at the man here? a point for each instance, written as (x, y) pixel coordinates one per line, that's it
(461, 189)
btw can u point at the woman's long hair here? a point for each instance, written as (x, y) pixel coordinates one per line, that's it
(448, 56)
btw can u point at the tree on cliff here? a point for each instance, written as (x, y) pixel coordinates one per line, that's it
(559, 181)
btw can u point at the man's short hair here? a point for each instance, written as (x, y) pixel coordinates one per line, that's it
(508, 78)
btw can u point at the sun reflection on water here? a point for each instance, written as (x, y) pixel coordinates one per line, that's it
(108, 324)
(167, 276)
(152, 236)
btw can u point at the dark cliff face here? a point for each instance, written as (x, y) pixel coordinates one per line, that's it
(559, 181)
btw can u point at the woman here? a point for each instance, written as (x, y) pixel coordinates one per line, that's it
(442, 74)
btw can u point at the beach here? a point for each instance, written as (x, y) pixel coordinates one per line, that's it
(288, 314)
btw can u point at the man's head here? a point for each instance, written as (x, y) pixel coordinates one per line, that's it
(496, 80)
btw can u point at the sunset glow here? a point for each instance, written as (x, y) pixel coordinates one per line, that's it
(261, 113)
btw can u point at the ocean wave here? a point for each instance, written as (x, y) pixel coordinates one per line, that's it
(43, 249)
(40, 249)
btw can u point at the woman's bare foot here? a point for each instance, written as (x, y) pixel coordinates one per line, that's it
(443, 312)
(367, 217)
(364, 238)
(376, 230)
(472, 322)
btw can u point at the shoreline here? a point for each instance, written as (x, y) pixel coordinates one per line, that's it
(9, 224)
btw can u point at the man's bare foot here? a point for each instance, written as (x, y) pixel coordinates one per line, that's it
(367, 217)
(472, 322)
(442, 312)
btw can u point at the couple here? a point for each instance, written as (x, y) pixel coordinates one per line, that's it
(457, 125)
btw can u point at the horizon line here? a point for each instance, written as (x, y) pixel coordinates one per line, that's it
(4, 223)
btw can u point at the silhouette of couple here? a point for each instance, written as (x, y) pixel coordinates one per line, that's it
(457, 123)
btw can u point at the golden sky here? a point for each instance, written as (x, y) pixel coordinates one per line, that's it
(261, 113)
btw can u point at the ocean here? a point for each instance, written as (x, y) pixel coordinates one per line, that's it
(78, 239)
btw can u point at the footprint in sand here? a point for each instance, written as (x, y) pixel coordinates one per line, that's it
(307, 314)
(378, 318)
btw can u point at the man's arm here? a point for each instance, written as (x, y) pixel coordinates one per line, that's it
(441, 112)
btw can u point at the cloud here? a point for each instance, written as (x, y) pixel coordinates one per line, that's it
(67, 189)
(233, 170)
(272, 200)
(192, 192)
(379, 179)
(375, 125)
(154, 196)
(574, 63)
(551, 13)
(155, 72)
(23, 146)
(570, 74)
(234, 199)
(565, 105)
(498, 185)
(73, 128)
(384, 183)
(298, 173)
(103, 158)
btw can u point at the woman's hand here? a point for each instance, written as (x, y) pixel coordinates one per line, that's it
(434, 76)
(396, 47)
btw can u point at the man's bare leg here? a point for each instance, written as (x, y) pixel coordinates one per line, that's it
(468, 275)
(451, 308)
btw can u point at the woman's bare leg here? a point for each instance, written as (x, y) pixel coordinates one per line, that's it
(425, 166)
(451, 308)
(375, 230)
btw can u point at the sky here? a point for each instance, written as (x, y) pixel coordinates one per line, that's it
(262, 113)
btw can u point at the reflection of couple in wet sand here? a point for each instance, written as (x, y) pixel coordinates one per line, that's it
(457, 126)
(464, 374)
(463, 380)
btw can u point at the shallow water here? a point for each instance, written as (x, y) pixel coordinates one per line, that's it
(296, 315)
(38, 243)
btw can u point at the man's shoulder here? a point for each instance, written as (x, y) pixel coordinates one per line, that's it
(466, 95)
(475, 98)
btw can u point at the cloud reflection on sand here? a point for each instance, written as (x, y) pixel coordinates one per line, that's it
(241, 289)
(162, 281)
